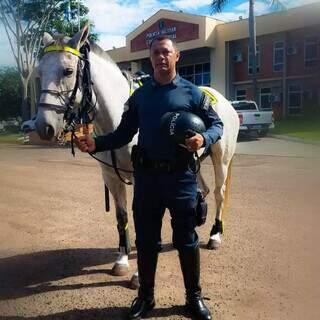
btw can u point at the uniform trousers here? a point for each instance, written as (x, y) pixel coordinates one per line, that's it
(154, 191)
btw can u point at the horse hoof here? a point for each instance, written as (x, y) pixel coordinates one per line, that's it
(134, 282)
(213, 244)
(119, 269)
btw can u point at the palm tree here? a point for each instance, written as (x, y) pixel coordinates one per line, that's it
(217, 6)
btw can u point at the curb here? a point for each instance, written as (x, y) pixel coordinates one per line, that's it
(294, 139)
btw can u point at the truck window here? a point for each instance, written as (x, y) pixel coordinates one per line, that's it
(242, 106)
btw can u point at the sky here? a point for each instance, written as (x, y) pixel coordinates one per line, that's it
(114, 19)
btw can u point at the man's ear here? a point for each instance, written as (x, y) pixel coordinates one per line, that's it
(178, 56)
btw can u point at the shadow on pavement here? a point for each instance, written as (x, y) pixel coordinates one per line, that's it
(29, 274)
(247, 137)
(114, 313)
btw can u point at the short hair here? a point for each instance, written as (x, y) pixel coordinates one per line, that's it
(164, 37)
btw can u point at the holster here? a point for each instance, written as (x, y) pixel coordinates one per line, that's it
(137, 156)
(201, 209)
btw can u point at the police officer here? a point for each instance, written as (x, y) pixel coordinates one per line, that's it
(163, 173)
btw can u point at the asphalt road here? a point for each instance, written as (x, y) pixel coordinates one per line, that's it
(57, 245)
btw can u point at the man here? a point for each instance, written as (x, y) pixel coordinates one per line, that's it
(163, 178)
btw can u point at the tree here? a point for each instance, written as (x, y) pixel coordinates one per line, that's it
(217, 6)
(10, 92)
(26, 21)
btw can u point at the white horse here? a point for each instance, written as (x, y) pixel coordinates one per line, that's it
(62, 72)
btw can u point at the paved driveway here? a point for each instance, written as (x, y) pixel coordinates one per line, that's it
(277, 147)
(57, 245)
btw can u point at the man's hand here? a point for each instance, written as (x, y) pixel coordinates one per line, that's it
(195, 142)
(86, 143)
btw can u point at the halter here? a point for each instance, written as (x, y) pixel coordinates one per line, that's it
(86, 107)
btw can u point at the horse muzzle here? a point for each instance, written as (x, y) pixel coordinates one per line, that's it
(49, 120)
(45, 131)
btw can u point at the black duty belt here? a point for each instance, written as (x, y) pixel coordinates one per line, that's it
(162, 165)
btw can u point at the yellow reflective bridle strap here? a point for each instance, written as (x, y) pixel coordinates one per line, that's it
(62, 48)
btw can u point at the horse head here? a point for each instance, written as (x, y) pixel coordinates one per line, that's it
(59, 70)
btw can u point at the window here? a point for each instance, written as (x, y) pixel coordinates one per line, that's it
(257, 60)
(199, 74)
(265, 98)
(295, 97)
(242, 106)
(310, 52)
(278, 56)
(241, 94)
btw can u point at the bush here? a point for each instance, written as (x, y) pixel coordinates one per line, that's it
(10, 93)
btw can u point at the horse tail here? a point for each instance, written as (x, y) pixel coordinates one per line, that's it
(227, 191)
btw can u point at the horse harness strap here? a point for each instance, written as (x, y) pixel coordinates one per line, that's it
(62, 48)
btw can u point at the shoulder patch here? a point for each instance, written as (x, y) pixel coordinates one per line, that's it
(208, 94)
(206, 103)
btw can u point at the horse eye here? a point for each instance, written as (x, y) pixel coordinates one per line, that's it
(67, 72)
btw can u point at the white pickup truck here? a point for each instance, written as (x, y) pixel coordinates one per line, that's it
(252, 119)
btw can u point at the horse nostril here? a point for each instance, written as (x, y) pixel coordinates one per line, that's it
(49, 132)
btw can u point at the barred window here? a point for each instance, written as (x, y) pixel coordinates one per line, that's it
(199, 74)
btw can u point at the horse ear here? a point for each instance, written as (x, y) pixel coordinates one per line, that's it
(47, 39)
(79, 38)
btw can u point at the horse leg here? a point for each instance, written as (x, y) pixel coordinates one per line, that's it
(121, 266)
(222, 179)
(118, 191)
(202, 184)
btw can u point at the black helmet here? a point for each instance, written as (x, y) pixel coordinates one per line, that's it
(179, 125)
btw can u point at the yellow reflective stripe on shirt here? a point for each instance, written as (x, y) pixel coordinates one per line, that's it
(133, 90)
(62, 48)
(210, 95)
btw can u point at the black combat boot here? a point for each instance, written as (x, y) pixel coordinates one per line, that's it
(147, 264)
(190, 266)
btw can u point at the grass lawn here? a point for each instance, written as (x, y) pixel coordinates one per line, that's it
(11, 138)
(308, 129)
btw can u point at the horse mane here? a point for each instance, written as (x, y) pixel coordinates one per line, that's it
(100, 52)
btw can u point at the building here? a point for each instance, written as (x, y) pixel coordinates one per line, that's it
(215, 53)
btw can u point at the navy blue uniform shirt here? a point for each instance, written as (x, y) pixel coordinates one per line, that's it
(146, 107)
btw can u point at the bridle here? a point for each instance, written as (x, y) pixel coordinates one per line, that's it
(85, 113)
(73, 115)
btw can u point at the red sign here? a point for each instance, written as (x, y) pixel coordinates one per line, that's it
(178, 30)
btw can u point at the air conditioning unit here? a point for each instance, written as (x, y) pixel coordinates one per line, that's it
(237, 57)
(291, 50)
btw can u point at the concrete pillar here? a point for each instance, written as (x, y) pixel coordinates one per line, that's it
(212, 68)
(219, 76)
(135, 66)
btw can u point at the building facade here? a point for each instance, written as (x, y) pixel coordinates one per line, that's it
(215, 53)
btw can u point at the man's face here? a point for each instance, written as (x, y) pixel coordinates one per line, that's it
(163, 56)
